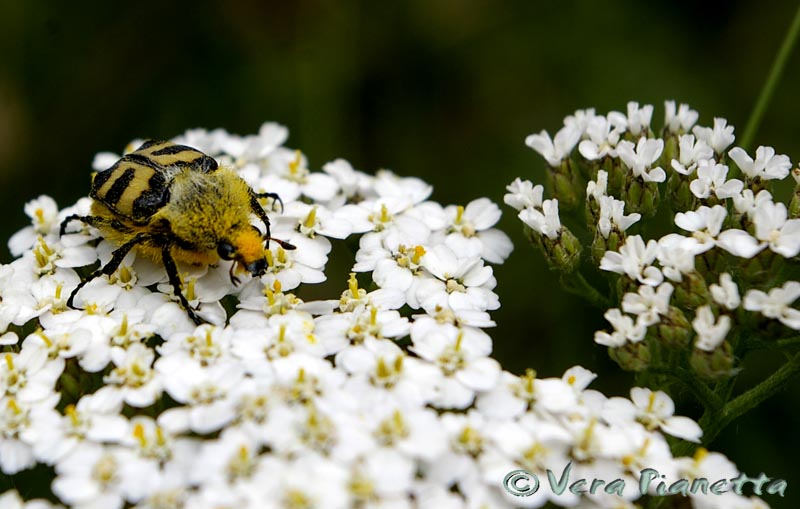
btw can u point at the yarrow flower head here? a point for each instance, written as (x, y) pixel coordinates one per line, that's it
(385, 393)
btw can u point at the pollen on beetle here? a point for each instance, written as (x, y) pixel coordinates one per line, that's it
(249, 246)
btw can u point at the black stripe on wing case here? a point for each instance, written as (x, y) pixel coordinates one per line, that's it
(172, 150)
(118, 187)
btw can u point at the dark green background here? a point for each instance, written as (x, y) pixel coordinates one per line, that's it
(443, 90)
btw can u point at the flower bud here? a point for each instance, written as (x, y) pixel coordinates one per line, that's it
(631, 356)
(692, 292)
(562, 253)
(794, 205)
(680, 196)
(714, 365)
(601, 244)
(762, 267)
(674, 329)
(566, 184)
(642, 197)
(671, 149)
(712, 261)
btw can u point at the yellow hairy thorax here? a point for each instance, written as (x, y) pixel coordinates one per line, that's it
(249, 245)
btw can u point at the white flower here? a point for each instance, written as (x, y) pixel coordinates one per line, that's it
(93, 419)
(291, 268)
(513, 396)
(653, 410)
(244, 149)
(598, 188)
(313, 220)
(649, 303)
(396, 376)
(634, 259)
(776, 304)
(767, 166)
(411, 189)
(470, 232)
(29, 376)
(704, 464)
(612, 216)
(397, 268)
(680, 121)
(133, 377)
(97, 477)
(773, 227)
(545, 222)
(465, 366)
(523, 194)
(204, 391)
(748, 202)
(726, 293)
(457, 283)
(415, 432)
(43, 212)
(625, 330)
(639, 158)
(604, 134)
(48, 256)
(353, 185)
(690, 154)
(16, 452)
(718, 138)
(705, 223)
(556, 150)
(710, 332)
(676, 255)
(385, 216)
(11, 500)
(712, 178)
(290, 168)
(639, 118)
(581, 119)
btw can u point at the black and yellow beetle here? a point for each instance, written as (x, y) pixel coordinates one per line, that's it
(174, 203)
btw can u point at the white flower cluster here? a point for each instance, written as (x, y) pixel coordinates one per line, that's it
(717, 214)
(386, 398)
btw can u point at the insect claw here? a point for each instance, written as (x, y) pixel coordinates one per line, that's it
(234, 280)
(285, 245)
(195, 318)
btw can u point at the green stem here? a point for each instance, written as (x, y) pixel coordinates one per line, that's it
(576, 284)
(714, 420)
(783, 343)
(713, 424)
(752, 398)
(772, 81)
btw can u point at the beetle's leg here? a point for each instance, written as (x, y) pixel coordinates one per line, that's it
(175, 281)
(69, 219)
(234, 280)
(262, 214)
(109, 268)
(273, 196)
(95, 221)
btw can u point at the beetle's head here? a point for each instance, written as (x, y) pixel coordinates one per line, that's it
(246, 247)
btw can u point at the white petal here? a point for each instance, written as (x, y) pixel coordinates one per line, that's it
(683, 427)
(739, 243)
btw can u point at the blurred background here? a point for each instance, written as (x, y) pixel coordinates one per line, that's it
(439, 89)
